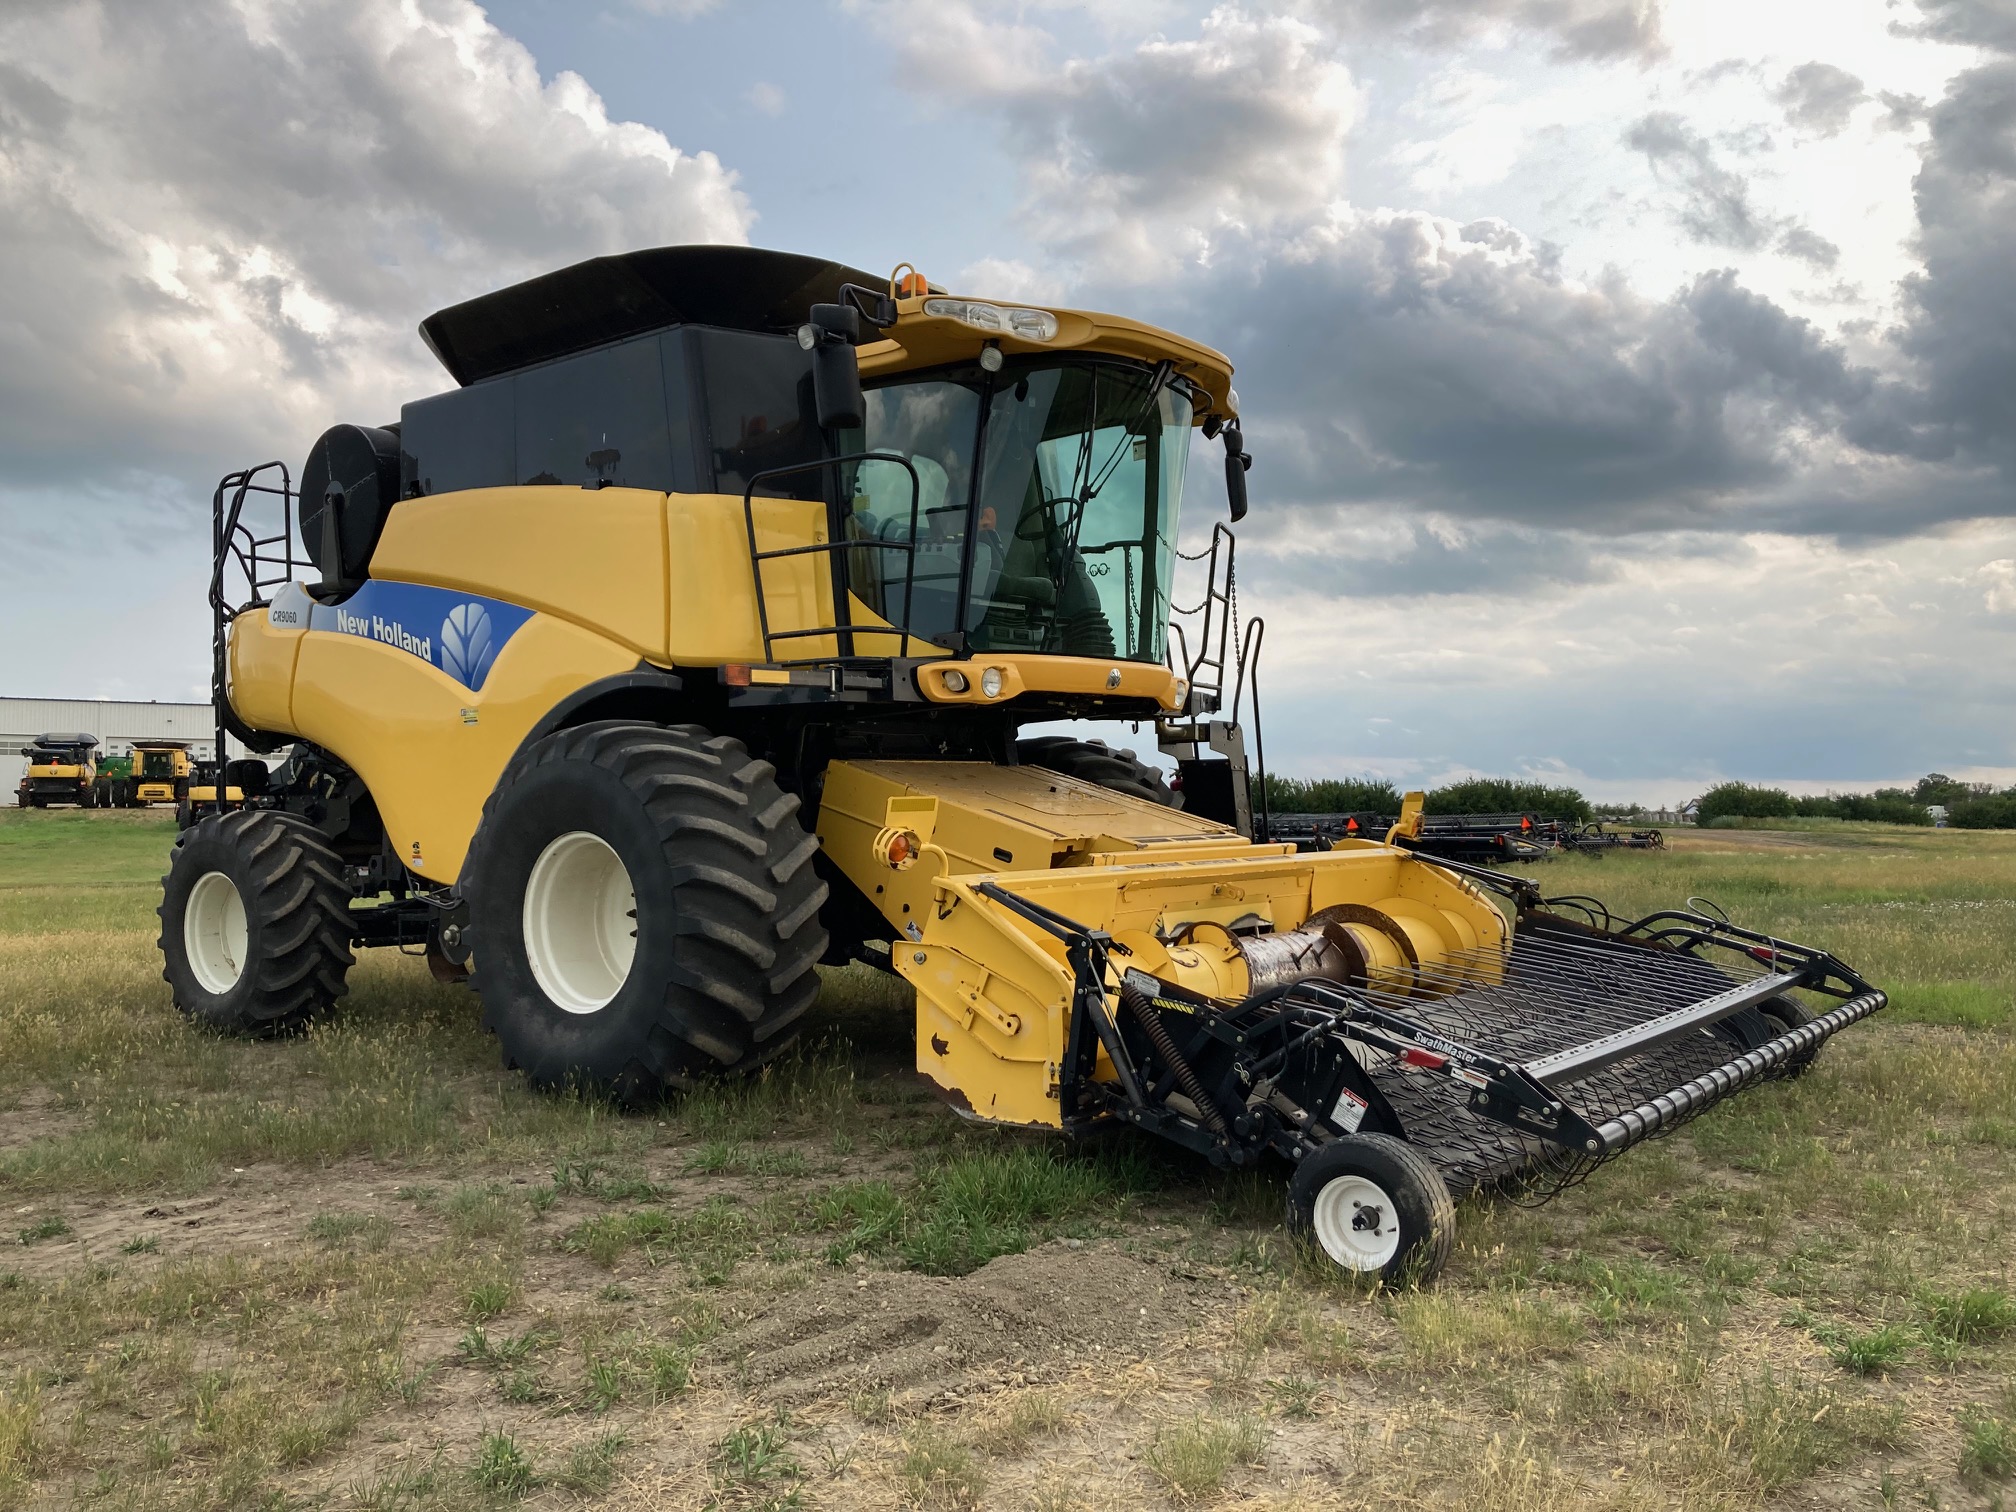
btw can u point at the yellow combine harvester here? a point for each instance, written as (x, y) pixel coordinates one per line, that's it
(688, 643)
(61, 769)
(161, 773)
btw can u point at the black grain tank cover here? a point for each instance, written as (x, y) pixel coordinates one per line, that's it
(60, 742)
(608, 298)
(363, 464)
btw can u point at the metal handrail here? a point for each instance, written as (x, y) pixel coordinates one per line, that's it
(1216, 609)
(843, 630)
(233, 541)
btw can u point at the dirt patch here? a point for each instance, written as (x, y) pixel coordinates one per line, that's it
(36, 1117)
(921, 1338)
(258, 1208)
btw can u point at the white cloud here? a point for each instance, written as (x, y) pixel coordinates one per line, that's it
(1687, 659)
(220, 223)
(767, 98)
(1135, 161)
(1009, 278)
(1999, 578)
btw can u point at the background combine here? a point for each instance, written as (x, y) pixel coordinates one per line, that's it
(60, 769)
(157, 771)
(690, 642)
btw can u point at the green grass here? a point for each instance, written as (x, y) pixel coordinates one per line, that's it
(1660, 1335)
(1873, 1353)
(1192, 1459)
(1988, 1441)
(501, 1469)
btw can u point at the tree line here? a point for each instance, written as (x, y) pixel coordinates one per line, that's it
(1969, 805)
(1474, 795)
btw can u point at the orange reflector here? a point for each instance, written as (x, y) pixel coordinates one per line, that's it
(1414, 1056)
(1350, 826)
(736, 675)
(1526, 822)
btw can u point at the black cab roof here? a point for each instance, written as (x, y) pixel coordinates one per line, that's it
(606, 299)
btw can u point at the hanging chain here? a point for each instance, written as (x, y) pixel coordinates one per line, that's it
(1135, 608)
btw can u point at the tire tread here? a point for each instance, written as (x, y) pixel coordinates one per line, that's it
(301, 909)
(746, 937)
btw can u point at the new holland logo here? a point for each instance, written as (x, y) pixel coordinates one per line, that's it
(459, 633)
(468, 645)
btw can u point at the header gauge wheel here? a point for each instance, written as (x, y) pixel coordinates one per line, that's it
(255, 923)
(1377, 1207)
(642, 909)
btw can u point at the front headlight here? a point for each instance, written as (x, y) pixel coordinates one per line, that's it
(955, 680)
(991, 682)
(1008, 320)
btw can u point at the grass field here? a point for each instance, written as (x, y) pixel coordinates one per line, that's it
(366, 1268)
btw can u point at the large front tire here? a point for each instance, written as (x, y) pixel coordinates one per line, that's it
(255, 924)
(1096, 762)
(643, 909)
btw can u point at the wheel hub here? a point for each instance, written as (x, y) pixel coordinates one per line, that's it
(1355, 1223)
(214, 936)
(580, 922)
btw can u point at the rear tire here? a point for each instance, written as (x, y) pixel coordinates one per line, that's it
(255, 924)
(1376, 1207)
(643, 909)
(1096, 762)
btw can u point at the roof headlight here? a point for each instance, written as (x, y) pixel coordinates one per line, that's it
(991, 682)
(1009, 320)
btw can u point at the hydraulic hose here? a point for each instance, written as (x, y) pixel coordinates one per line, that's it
(1150, 1020)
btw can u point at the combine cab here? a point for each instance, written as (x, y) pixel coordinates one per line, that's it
(690, 642)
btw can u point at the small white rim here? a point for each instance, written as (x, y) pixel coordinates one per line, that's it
(1357, 1224)
(214, 934)
(580, 922)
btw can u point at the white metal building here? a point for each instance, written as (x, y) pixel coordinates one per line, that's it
(116, 722)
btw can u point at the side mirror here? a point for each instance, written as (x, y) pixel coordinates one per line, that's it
(830, 336)
(1237, 461)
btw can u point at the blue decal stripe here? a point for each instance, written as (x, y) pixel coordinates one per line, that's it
(460, 633)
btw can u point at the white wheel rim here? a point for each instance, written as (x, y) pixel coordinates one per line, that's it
(580, 922)
(1357, 1224)
(213, 933)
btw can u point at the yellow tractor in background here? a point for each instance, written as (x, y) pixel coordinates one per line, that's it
(689, 642)
(62, 769)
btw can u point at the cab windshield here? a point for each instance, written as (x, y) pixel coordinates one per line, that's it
(157, 764)
(1045, 511)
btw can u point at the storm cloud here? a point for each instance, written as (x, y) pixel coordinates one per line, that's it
(220, 225)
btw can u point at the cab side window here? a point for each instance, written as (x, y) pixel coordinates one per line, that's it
(596, 420)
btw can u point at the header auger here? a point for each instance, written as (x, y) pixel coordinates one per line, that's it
(689, 643)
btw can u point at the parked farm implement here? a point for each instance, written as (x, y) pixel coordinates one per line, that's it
(1479, 839)
(689, 643)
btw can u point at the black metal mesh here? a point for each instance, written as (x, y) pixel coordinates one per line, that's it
(1553, 995)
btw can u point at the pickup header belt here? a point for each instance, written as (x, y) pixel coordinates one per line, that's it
(1635, 1036)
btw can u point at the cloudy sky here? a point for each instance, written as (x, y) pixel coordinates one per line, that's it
(1632, 382)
